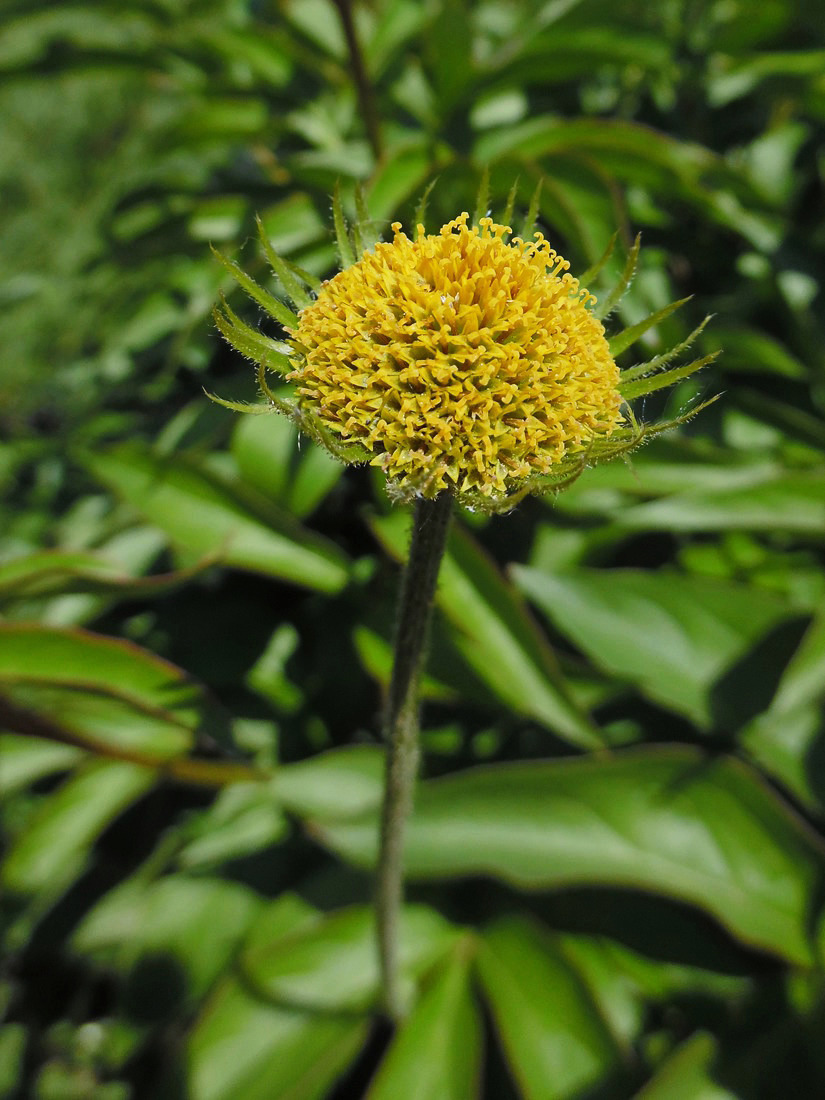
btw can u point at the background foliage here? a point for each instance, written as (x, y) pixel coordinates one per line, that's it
(617, 856)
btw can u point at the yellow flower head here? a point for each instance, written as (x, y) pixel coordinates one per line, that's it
(459, 361)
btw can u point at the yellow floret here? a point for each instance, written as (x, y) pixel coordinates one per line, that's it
(459, 361)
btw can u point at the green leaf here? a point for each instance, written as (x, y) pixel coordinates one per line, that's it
(652, 382)
(785, 739)
(245, 1046)
(54, 846)
(293, 286)
(274, 460)
(620, 146)
(198, 922)
(207, 516)
(25, 760)
(437, 1051)
(337, 784)
(495, 634)
(342, 239)
(244, 818)
(624, 339)
(13, 1038)
(557, 1043)
(528, 225)
(751, 351)
(686, 1074)
(596, 269)
(482, 197)
(253, 345)
(606, 305)
(265, 300)
(107, 692)
(332, 966)
(678, 638)
(792, 500)
(667, 821)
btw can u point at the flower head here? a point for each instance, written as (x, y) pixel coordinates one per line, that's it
(459, 361)
(467, 361)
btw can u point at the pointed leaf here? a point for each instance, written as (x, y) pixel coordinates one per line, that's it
(593, 272)
(438, 1048)
(618, 292)
(265, 300)
(106, 692)
(244, 1046)
(420, 215)
(624, 339)
(294, 288)
(332, 966)
(507, 213)
(643, 386)
(251, 343)
(495, 634)
(206, 516)
(658, 361)
(667, 821)
(482, 197)
(345, 252)
(56, 842)
(529, 223)
(678, 638)
(556, 1041)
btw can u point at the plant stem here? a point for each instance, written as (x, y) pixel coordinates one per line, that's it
(429, 538)
(366, 95)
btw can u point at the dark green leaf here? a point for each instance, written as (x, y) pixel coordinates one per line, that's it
(664, 820)
(206, 516)
(554, 1036)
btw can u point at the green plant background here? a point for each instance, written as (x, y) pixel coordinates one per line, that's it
(616, 860)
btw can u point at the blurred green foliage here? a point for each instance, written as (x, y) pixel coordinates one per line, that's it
(617, 856)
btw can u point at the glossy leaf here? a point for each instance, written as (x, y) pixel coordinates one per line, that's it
(53, 572)
(666, 820)
(678, 638)
(555, 1039)
(273, 458)
(55, 844)
(687, 1074)
(792, 501)
(25, 760)
(332, 966)
(197, 923)
(784, 740)
(334, 784)
(437, 1051)
(245, 1046)
(108, 693)
(495, 634)
(206, 516)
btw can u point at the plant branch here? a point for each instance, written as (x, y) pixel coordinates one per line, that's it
(184, 769)
(366, 93)
(429, 538)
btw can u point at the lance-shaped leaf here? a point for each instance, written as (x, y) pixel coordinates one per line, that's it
(618, 292)
(268, 302)
(643, 386)
(251, 343)
(624, 339)
(437, 1050)
(292, 285)
(345, 251)
(630, 374)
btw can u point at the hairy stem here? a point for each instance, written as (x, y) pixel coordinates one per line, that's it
(429, 537)
(366, 94)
